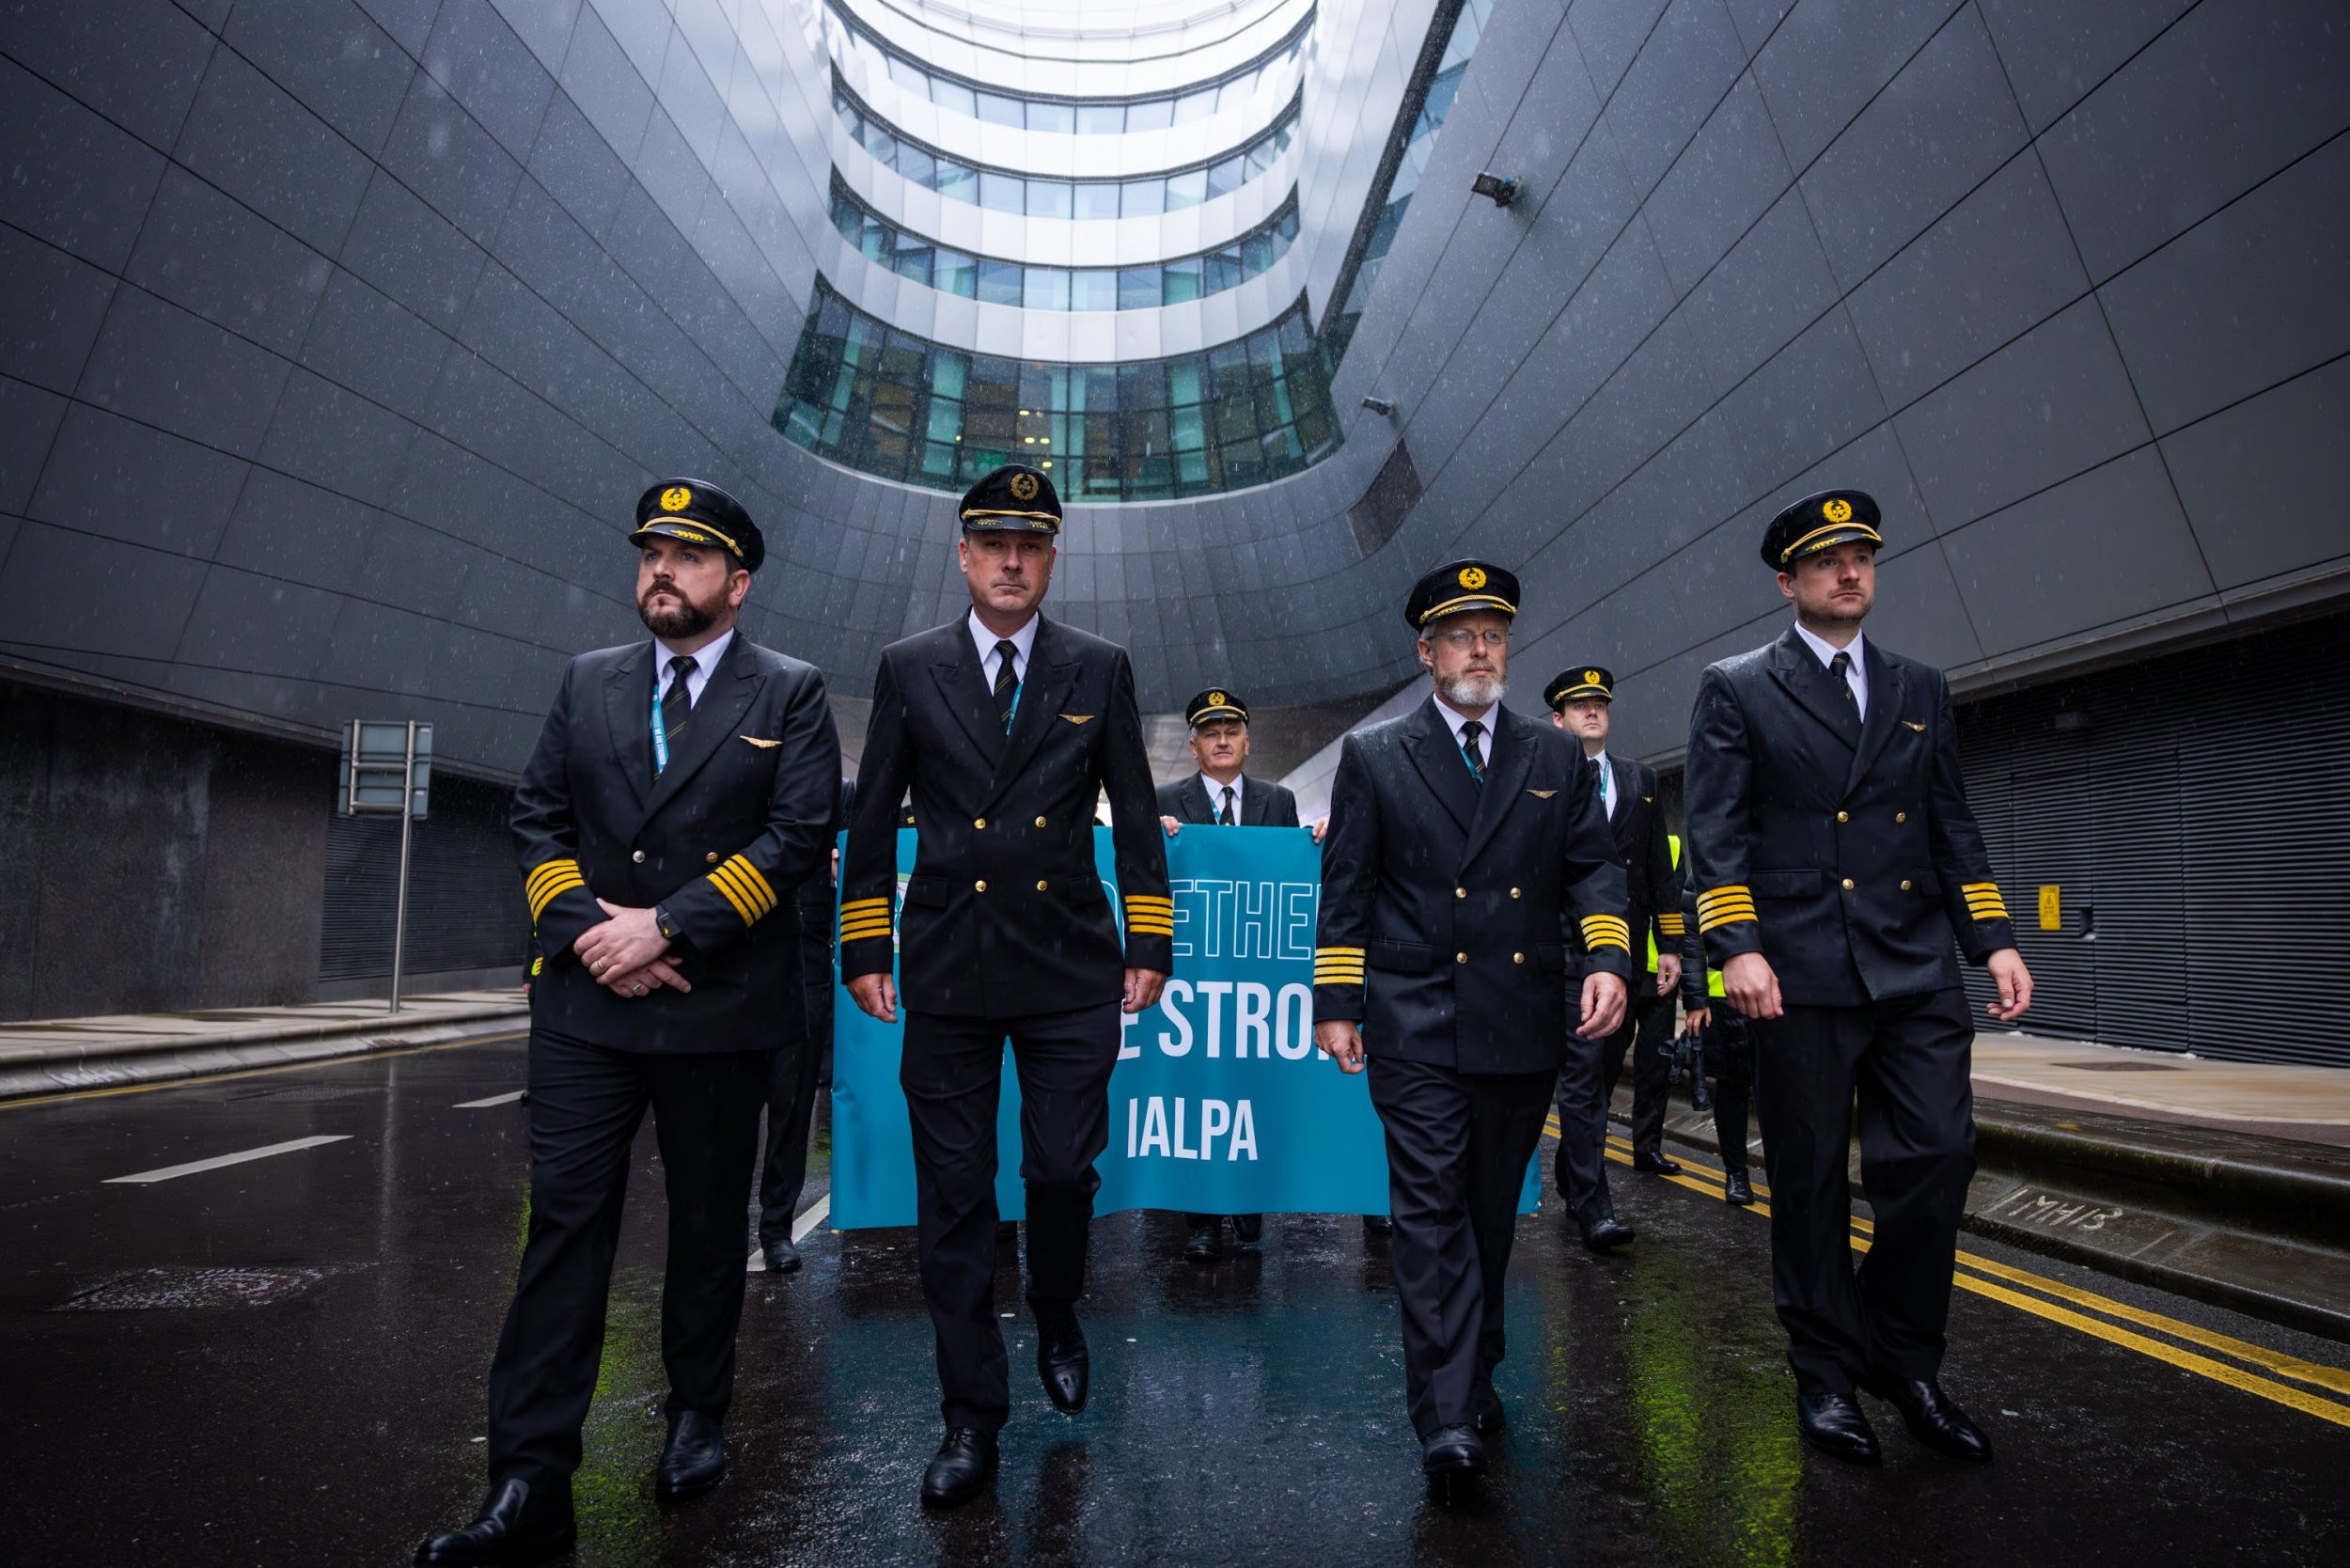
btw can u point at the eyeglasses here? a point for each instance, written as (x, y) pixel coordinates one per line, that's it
(1462, 637)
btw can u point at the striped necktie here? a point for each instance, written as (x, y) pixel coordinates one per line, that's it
(1224, 818)
(1007, 680)
(677, 705)
(1469, 752)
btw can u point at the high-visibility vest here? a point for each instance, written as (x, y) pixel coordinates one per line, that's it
(1713, 976)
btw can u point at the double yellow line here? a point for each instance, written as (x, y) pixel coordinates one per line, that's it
(2308, 1387)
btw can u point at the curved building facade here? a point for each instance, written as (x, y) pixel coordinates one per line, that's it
(347, 331)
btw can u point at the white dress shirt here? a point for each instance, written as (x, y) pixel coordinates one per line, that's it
(1216, 796)
(1455, 719)
(697, 678)
(1606, 783)
(1855, 674)
(1023, 641)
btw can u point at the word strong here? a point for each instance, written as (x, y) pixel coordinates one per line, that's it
(1151, 1134)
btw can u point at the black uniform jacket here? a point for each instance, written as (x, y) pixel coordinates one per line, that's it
(1261, 804)
(1005, 915)
(1653, 882)
(1841, 852)
(723, 838)
(1452, 912)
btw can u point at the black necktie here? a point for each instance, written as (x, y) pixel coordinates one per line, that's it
(677, 705)
(1007, 680)
(1224, 818)
(1840, 666)
(1599, 784)
(1476, 759)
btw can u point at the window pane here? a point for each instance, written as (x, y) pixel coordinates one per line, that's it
(958, 184)
(1223, 271)
(912, 258)
(1045, 289)
(1052, 117)
(917, 165)
(953, 272)
(1188, 433)
(1194, 106)
(1138, 288)
(1097, 199)
(880, 143)
(846, 215)
(1226, 177)
(1101, 119)
(1093, 289)
(1002, 193)
(1256, 254)
(948, 95)
(995, 109)
(909, 77)
(1048, 199)
(1141, 386)
(1000, 283)
(1183, 280)
(1260, 159)
(1152, 114)
(1145, 198)
(876, 241)
(1188, 189)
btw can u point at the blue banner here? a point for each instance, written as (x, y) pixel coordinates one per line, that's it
(1219, 1103)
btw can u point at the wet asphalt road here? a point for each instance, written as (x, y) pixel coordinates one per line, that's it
(1252, 1412)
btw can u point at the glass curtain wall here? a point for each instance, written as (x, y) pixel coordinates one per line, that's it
(887, 402)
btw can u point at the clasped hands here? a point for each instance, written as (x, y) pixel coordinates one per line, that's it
(627, 954)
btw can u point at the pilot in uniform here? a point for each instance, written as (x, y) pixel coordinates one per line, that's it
(1835, 860)
(1466, 857)
(1006, 726)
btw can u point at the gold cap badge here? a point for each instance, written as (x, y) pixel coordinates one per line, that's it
(1216, 700)
(1024, 487)
(1472, 577)
(1837, 510)
(1591, 678)
(676, 498)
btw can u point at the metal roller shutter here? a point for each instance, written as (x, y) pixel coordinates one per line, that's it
(466, 908)
(2192, 810)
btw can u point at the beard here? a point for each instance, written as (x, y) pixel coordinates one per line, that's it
(1472, 691)
(676, 620)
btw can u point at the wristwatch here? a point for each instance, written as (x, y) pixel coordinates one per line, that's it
(667, 923)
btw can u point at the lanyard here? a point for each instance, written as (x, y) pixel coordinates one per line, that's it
(661, 736)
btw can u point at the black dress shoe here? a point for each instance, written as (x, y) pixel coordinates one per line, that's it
(1655, 1165)
(520, 1523)
(1736, 1187)
(1452, 1451)
(1607, 1234)
(1062, 1358)
(1207, 1240)
(1377, 1225)
(960, 1469)
(1932, 1417)
(1833, 1424)
(782, 1257)
(694, 1458)
(1486, 1405)
(1249, 1230)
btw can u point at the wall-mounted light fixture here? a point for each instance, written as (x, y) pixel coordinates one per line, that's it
(1379, 405)
(1499, 187)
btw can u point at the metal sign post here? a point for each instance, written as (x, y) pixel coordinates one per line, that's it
(388, 768)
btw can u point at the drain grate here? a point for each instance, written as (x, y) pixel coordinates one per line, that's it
(147, 1290)
(2119, 1066)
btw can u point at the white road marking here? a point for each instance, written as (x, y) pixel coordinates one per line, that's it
(492, 1099)
(168, 1172)
(757, 1261)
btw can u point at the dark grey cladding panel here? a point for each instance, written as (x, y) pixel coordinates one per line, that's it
(374, 346)
(260, 144)
(2264, 481)
(1523, 42)
(29, 418)
(379, 648)
(417, 568)
(412, 252)
(1771, 285)
(73, 180)
(1829, 57)
(1944, 122)
(444, 155)
(137, 62)
(335, 438)
(2050, 404)
(1921, 612)
(125, 480)
(577, 167)
(300, 533)
(2102, 547)
(1999, 264)
(157, 363)
(1611, 33)
(474, 54)
(332, 56)
(1812, 397)
(544, 27)
(67, 591)
(2233, 91)
(2280, 256)
(409, 21)
(215, 257)
(608, 88)
(2057, 50)
(1684, 69)
(1729, 175)
(257, 625)
(1756, 20)
(1874, 463)
(685, 92)
(50, 312)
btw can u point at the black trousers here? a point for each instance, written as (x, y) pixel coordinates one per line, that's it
(1457, 1148)
(586, 1102)
(1588, 1081)
(1908, 1060)
(1729, 1047)
(953, 1073)
(792, 1085)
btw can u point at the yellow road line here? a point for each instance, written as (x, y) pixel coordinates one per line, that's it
(257, 1071)
(1709, 1182)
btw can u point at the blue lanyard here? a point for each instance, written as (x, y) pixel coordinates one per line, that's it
(659, 736)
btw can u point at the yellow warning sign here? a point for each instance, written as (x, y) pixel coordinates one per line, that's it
(2051, 907)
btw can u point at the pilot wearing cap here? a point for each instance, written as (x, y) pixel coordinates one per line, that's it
(1582, 701)
(1006, 726)
(1472, 915)
(1221, 793)
(680, 795)
(1839, 875)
